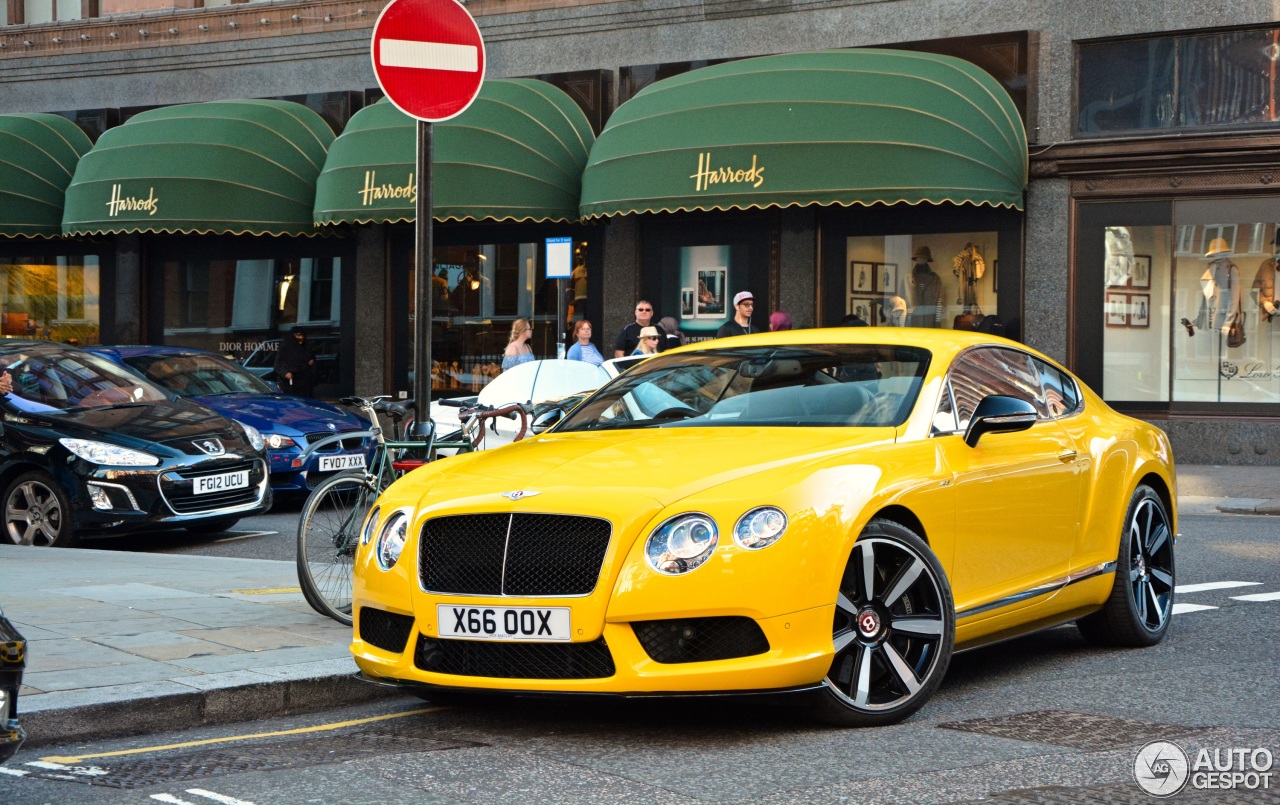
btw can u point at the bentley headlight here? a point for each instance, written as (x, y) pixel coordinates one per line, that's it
(682, 543)
(760, 528)
(370, 526)
(391, 539)
(255, 438)
(103, 453)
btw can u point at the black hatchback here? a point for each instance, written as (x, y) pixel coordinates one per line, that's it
(88, 448)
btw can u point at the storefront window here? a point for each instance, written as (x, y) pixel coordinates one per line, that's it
(241, 308)
(1188, 307)
(478, 292)
(51, 298)
(937, 280)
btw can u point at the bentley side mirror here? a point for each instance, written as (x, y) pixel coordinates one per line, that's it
(999, 414)
(543, 422)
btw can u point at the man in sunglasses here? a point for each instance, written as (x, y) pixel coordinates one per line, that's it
(629, 337)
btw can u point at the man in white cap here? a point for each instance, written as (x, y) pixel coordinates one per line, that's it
(744, 304)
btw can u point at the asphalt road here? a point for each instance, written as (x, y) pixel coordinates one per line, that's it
(1046, 718)
(269, 536)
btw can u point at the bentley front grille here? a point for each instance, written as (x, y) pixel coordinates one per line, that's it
(700, 639)
(512, 554)
(514, 660)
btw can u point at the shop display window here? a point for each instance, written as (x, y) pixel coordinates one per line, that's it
(947, 280)
(1188, 308)
(51, 298)
(478, 292)
(242, 308)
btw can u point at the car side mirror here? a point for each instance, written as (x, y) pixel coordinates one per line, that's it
(999, 414)
(544, 421)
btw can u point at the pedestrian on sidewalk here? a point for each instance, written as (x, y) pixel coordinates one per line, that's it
(744, 304)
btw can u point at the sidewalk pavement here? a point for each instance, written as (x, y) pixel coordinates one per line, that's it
(128, 643)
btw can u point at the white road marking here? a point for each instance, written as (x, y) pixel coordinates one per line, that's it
(225, 800)
(1257, 597)
(1213, 585)
(14, 772)
(169, 798)
(429, 55)
(82, 771)
(240, 535)
(1178, 609)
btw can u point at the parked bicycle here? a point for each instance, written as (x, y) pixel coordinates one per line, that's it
(329, 527)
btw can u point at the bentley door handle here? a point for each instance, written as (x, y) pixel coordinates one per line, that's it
(1067, 457)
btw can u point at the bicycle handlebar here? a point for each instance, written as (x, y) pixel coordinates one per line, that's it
(483, 412)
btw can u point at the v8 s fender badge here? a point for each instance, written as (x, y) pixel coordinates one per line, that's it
(518, 494)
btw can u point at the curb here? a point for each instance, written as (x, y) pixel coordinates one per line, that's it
(1270, 507)
(138, 716)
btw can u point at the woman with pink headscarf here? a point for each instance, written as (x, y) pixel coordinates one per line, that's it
(779, 321)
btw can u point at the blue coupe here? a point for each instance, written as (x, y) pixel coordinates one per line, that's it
(288, 424)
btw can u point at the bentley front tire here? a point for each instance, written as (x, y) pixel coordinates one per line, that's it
(1137, 612)
(893, 631)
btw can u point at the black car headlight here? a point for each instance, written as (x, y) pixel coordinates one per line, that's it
(682, 543)
(760, 527)
(103, 453)
(252, 434)
(391, 539)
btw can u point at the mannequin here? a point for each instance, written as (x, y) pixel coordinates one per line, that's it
(1220, 307)
(923, 291)
(1264, 283)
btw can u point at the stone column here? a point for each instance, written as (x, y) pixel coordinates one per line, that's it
(371, 323)
(127, 327)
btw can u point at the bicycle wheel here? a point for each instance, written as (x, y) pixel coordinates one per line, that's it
(328, 534)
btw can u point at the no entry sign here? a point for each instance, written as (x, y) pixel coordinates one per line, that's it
(428, 57)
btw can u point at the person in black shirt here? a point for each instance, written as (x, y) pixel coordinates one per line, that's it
(744, 304)
(629, 336)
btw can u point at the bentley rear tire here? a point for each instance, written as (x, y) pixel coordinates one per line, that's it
(1137, 612)
(893, 631)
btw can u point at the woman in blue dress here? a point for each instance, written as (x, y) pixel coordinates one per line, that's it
(583, 350)
(518, 350)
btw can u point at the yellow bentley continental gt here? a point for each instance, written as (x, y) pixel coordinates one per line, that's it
(823, 512)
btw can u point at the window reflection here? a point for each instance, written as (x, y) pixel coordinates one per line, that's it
(945, 280)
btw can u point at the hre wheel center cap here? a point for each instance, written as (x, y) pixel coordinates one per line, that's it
(869, 624)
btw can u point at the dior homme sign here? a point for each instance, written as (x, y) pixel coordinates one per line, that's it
(121, 203)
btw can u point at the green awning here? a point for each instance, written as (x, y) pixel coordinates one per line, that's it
(516, 154)
(847, 127)
(223, 167)
(38, 155)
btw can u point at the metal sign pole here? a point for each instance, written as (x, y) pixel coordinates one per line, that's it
(422, 282)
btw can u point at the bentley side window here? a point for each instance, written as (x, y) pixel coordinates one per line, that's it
(1061, 396)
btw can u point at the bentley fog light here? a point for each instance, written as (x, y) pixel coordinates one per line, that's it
(682, 543)
(103, 453)
(370, 526)
(391, 540)
(255, 438)
(760, 528)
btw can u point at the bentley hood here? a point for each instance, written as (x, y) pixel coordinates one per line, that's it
(662, 465)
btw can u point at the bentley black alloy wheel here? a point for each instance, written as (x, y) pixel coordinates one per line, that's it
(1141, 601)
(893, 630)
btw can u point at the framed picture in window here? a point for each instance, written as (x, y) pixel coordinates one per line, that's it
(710, 302)
(861, 278)
(687, 296)
(1140, 310)
(1141, 276)
(886, 278)
(1117, 313)
(868, 308)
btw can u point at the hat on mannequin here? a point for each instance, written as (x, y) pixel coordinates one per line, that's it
(1218, 248)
